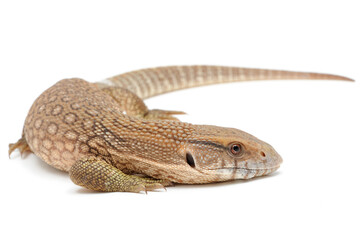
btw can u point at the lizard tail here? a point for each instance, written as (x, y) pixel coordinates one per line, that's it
(154, 81)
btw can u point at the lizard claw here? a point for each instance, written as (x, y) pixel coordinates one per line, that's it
(148, 187)
(22, 145)
(152, 184)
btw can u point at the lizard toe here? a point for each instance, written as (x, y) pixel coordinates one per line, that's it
(157, 114)
(21, 144)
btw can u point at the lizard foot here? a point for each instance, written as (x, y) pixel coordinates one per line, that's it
(95, 173)
(22, 145)
(157, 114)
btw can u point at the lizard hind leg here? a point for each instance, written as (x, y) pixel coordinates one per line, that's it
(134, 106)
(95, 173)
(21, 144)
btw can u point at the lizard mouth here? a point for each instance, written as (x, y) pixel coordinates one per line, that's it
(247, 173)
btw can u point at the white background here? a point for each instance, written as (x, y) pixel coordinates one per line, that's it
(314, 125)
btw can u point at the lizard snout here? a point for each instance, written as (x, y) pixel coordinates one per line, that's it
(270, 159)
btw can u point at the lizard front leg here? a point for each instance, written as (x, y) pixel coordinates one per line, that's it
(135, 106)
(95, 173)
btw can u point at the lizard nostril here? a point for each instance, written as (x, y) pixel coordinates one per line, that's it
(263, 154)
(190, 160)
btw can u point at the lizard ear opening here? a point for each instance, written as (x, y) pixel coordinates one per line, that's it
(190, 160)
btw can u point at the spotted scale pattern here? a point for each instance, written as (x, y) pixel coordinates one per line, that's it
(74, 118)
(100, 133)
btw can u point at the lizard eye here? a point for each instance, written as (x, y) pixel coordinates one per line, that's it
(236, 148)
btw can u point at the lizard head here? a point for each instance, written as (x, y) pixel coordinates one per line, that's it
(222, 154)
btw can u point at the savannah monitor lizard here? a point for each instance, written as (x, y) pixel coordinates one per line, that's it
(106, 138)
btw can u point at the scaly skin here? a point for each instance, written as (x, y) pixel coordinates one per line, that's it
(81, 128)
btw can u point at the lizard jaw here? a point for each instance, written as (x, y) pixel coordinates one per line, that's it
(247, 173)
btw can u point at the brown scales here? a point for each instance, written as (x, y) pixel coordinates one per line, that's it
(103, 133)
